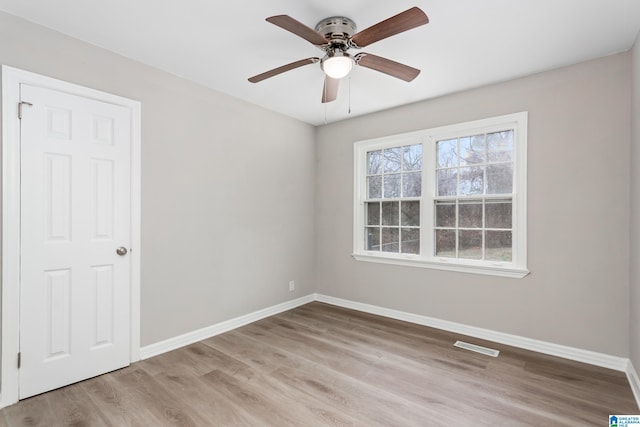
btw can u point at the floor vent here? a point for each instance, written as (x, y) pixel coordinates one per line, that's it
(478, 349)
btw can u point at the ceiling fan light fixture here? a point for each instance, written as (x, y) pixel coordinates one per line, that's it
(337, 64)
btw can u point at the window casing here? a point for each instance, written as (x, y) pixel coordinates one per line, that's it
(451, 198)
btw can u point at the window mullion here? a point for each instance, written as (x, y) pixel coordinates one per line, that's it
(457, 229)
(484, 225)
(427, 214)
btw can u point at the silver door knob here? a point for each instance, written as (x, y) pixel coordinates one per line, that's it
(122, 251)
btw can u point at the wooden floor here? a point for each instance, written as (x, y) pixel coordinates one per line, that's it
(323, 365)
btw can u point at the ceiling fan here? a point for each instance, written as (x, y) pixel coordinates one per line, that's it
(336, 36)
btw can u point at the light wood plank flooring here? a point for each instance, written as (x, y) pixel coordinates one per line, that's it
(320, 365)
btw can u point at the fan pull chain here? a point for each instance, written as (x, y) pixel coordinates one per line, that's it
(325, 113)
(349, 95)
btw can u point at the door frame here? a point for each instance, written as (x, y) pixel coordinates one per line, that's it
(12, 78)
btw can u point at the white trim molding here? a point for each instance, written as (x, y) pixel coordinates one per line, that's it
(634, 381)
(442, 264)
(593, 358)
(219, 328)
(12, 78)
(571, 353)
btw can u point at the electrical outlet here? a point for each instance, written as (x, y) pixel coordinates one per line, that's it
(292, 286)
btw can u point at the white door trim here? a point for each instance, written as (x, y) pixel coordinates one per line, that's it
(11, 80)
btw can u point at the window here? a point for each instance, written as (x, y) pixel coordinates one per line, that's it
(450, 198)
(473, 201)
(394, 186)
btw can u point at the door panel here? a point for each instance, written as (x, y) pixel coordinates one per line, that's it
(58, 311)
(76, 211)
(103, 288)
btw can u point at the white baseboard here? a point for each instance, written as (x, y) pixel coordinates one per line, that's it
(593, 358)
(585, 356)
(634, 381)
(219, 328)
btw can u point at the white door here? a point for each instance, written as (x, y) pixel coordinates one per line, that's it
(75, 217)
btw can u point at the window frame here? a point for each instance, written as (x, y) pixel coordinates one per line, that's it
(517, 268)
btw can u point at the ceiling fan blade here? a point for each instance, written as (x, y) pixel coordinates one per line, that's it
(387, 66)
(298, 28)
(399, 23)
(282, 69)
(330, 89)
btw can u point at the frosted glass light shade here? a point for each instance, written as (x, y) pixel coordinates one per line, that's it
(337, 65)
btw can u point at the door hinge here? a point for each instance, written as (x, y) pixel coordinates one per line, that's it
(20, 104)
(19, 359)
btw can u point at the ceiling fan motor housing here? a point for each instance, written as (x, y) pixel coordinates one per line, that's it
(338, 30)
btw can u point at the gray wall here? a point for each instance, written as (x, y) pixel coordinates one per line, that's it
(578, 196)
(634, 335)
(227, 187)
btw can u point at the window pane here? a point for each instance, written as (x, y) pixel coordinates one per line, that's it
(374, 187)
(412, 184)
(498, 213)
(392, 186)
(447, 153)
(410, 241)
(445, 214)
(470, 214)
(500, 179)
(411, 213)
(446, 243)
(390, 213)
(471, 181)
(374, 162)
(472, 150)
(498, 245)
(470, 244)
(500, 146)
(412, 158)
(392, 159)
(447, 182)
(372, 238)
(390, 239)
(373, 213)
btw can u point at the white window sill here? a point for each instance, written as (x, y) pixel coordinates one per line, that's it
(447, 265)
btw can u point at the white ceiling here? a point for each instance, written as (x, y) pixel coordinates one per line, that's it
(468, 43)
